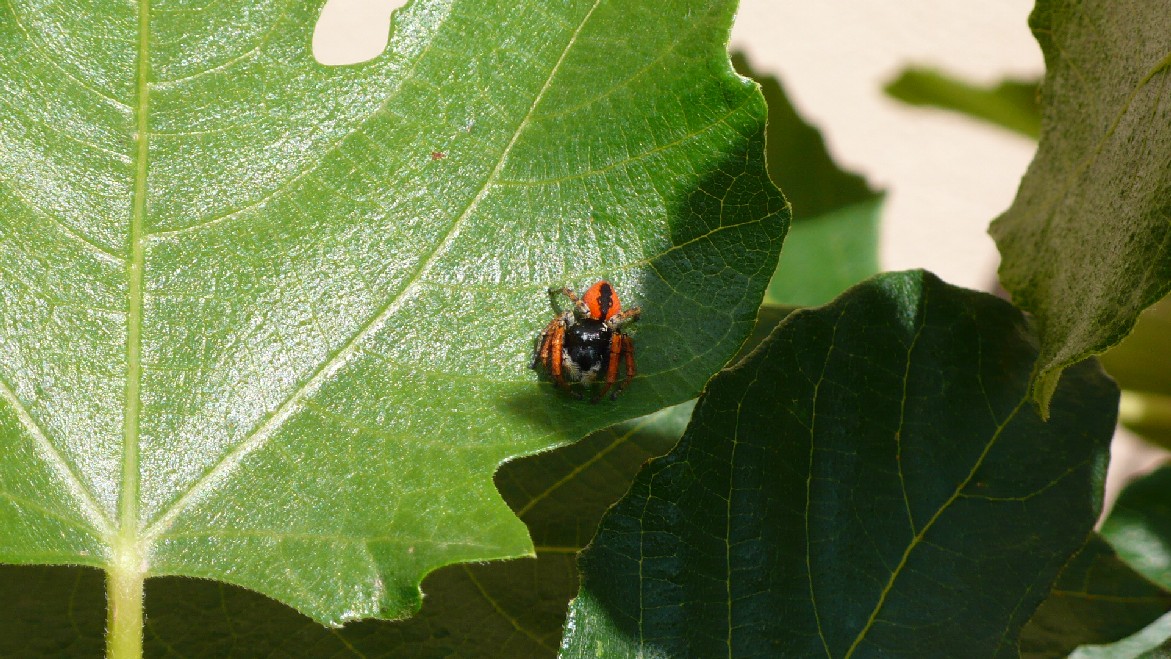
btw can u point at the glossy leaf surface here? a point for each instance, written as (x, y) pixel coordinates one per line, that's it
(872, 480)
(1139, 526)
(270, 322)
(1086, 245)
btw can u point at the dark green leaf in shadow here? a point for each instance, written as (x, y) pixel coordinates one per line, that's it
(1011, 104)
(52, 611)
(826, 254)
(1139, 529)
(562, 494)
(1086, 244)
(498, 609)
(768, 318)
(1150, 643)
(871, 480)
(833, 241)
(1097, 599)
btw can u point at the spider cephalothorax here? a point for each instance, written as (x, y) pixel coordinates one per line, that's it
(588, 343)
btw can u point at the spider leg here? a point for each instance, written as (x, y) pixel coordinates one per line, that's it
(567, 292)
(580, 308)
(616, 345)
(620, 319)
(556, 353)
(628, 353)
(541, 354)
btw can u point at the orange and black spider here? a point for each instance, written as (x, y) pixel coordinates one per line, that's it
(587, 343)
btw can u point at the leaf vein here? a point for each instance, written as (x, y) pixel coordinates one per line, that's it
(35, 45)
(81, 240)
(49, 453)
(918, 538)
(331, 366)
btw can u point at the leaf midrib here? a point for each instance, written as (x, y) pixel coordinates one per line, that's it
(126, 545)
(917, 540)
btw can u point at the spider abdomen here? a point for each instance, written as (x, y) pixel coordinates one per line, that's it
(586, 349)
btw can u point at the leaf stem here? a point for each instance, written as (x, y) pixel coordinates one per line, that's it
(124, 580)
(124, 616)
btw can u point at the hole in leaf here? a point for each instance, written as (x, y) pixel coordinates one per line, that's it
(352, 31)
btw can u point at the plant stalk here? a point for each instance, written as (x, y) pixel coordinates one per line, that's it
(124, 612)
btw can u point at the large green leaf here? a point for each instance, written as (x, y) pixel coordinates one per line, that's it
(872, 480)
(269, 322)
(501, 608)
(1086, 245)
(1145, 644)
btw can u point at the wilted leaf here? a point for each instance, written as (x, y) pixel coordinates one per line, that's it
(872, 480)
(1086, 245)
(270, 322)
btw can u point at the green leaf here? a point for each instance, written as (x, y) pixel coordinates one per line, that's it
(1097, 599)
(871, 480)
(1139, 529)
(562, 494)
(502, 608)
(51, 612)
(827, 254)
(1086, 245)
(270, 322)
(1139, 526)
(767, 319)
(1011, 104)
(1143, 644)
(833, 242)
